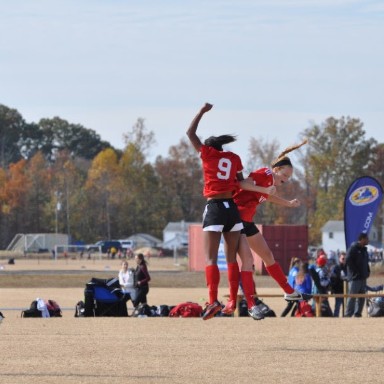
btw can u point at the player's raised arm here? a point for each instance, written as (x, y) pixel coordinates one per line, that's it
(285, 203)
(191, 133)
(248, 185)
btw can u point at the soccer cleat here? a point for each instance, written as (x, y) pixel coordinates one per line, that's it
(255, 313)
(230, 308)
(295, 296)
(263, 308)
(211, 310)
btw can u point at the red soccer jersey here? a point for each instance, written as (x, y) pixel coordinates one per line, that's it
(248, 201)
(220, 169)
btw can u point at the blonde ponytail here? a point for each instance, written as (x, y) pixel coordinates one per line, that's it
(283, 159)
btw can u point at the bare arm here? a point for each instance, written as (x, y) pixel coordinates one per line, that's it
(191, 133)
(248, 185)
(281, 201)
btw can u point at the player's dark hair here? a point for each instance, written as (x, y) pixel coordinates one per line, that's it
(217, 142)
(285, 160)
(363, 236)
(140, 256)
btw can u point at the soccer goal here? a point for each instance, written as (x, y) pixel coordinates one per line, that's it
(75, 252)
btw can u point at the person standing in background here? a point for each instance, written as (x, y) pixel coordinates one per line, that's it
(358, 272)
(142, 279)
(338, 276)
(127, 281)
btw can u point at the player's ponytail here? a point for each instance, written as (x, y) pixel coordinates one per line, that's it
(217, 142)
(283, 159)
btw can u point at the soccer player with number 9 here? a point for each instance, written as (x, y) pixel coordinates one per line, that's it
(222, 178)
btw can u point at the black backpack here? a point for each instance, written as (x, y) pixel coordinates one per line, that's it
(80, 309)
(142, 310)
(163, 310)
(243, 308)
(32, 311)
(326, 310)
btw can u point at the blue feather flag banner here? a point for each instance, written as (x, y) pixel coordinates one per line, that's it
(360, 206)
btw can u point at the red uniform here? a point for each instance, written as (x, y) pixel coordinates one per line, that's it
(247, 201)
(220, 169)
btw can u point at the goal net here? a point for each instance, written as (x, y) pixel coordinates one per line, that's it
(75, 252)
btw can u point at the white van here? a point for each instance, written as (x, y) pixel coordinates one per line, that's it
(127, 244)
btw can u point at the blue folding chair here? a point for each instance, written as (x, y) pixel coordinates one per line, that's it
(107, 302)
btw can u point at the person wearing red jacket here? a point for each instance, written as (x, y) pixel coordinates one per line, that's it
(222, 178)
(251, 238)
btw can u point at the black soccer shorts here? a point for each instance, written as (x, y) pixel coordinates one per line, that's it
(221, 215)
(249, 229)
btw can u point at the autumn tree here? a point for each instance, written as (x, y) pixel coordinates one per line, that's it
(181, 182)
(38, 175)
(337, 154)
(104, 191)
(14, 192)
(261, 153)
(11, 127)
(69, 175)
(58, 134)
(140, 199)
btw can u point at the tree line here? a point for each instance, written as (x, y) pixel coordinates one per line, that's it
(55, 175)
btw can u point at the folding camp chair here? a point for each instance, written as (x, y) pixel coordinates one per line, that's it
(102, 301)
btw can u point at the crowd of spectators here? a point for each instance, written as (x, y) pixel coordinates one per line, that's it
(336, 272)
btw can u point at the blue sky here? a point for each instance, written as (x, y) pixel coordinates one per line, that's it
(269, 67)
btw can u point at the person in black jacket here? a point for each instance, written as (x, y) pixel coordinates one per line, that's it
(338, 276)
(357, 274)
(142, 279)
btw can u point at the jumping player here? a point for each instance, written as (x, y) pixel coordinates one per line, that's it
(251, 238)
(222, 177)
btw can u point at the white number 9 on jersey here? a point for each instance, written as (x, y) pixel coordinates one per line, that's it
(225, 168)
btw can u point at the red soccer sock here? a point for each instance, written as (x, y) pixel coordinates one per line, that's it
(212, 275)
(277, 273)
(233, 279)
(248, 287)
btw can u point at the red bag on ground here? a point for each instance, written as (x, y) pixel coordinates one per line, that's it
(186, 310)
(304, 309)
(53, 308)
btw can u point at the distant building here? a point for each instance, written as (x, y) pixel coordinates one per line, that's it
(175, 234)
(145, 240)
(333, 236)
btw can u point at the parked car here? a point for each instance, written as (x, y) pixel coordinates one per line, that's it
(128, 244)
(105, 245)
